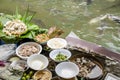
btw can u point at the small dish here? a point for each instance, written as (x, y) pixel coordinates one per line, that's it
(59, 55)
(67, 70)
(27, 49)
(13, 58)
(37, 62)
(42, 75)
(19, 65)
(57, 43)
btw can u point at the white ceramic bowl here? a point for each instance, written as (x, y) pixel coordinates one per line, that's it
(57, 43)
(56, 52)
(67, 70)
(38, 46)
(37, 62)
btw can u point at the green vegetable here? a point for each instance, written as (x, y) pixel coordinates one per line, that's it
(32, 29)
(24, 74)
(23, 78)
(31, 73)
(28, 77)
(60, 57)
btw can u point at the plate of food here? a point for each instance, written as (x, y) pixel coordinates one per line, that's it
(42, 38)
(42, 75)
(52, 32)
(90, 67)
(27, 49)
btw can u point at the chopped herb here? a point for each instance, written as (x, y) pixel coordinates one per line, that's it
(60, 57)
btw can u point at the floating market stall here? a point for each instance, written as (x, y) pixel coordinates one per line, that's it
(40, 54)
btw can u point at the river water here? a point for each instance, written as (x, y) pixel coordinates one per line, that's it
(74, 15)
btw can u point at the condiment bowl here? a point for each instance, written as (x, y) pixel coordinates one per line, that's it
(59, 55)
(57, 43)
(28, 48)
(43, 75)
(67, 70)
(37, 62)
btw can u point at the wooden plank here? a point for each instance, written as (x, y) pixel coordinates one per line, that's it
(89, 46)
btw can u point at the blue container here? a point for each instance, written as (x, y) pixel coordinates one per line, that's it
(1, 42)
